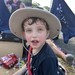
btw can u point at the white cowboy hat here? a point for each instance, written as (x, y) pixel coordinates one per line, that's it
(19, 15)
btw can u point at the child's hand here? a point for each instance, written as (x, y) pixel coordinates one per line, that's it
(69, 59)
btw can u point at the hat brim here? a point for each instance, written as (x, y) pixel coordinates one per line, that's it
(19, 15)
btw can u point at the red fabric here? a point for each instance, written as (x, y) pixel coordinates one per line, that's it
(29, 57)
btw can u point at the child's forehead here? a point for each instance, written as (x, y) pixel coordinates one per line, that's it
(36, 21)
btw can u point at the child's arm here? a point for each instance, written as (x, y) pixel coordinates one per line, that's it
(69, 58)
(20, 71)
(56, 50)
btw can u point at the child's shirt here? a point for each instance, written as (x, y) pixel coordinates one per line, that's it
(45, 62)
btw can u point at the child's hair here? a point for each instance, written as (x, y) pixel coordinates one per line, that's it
(34, 20)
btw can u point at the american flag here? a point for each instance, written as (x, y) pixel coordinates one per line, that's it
(66, 17)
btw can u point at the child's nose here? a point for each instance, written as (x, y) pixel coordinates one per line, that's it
(35, 34)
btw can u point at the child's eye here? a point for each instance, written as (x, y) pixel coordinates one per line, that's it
(28, 30)
(40, 29)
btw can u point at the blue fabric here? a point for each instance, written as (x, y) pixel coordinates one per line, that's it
(4, 16)
(45, 62)
(67, 18)
(4, 24)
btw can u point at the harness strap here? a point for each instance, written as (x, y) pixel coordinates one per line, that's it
(29, 57)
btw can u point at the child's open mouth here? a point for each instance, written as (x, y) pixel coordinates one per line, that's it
(35, 42)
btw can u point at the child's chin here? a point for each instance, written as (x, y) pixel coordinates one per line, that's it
(35, 47)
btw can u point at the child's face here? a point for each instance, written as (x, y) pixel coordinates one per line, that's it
(35, 34)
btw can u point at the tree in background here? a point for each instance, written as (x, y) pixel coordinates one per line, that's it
(46, 7)
(35, 4)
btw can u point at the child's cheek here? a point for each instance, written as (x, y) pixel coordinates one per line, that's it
(28, 38)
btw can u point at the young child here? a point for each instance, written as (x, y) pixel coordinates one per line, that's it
(35, 26)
